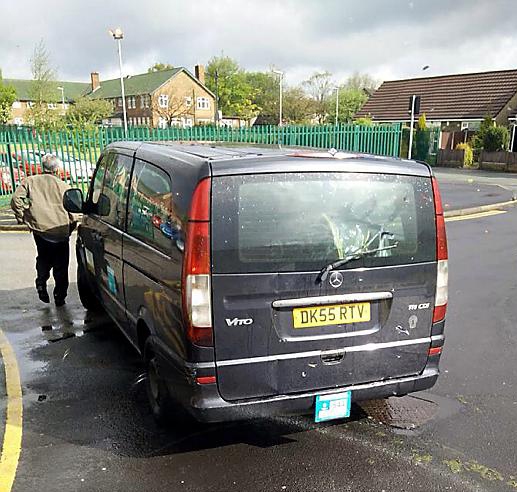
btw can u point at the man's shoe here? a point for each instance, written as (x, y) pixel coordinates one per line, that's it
(43, 294)
(59, 302)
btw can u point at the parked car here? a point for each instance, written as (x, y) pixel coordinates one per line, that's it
(31, 162)
(283, 281)
(78, 169)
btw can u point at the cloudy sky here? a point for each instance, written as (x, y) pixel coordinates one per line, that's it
(389, 39)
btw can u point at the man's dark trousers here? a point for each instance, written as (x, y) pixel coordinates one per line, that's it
(55, 257)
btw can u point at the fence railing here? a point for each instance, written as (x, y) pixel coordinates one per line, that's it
(21, 149)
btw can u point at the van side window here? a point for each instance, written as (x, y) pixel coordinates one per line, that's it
(150, 206)
(115, 188)
(99, 177)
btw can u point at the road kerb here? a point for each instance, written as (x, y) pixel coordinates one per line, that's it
(479, 209)
(12, 443)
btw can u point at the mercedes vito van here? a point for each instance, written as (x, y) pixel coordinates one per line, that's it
(257, 281)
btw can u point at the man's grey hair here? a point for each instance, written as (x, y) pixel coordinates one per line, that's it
(50, 163)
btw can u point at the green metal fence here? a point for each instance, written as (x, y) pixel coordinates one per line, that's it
(21, 149)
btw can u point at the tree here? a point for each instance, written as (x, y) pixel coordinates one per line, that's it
(351, 100)
(43, 90)
(228, 80)
(160, 67)
(265, 87)
(297, 106)
(422, 138)
(171, 105)
(319, 86)
(7, 97)
(86, 113)
(363, 82)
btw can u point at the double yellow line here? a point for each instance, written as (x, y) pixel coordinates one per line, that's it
(12, 442)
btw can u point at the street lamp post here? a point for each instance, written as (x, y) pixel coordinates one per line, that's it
(337, 104)
(280, 116)
(216, 79)
(62, 89)
(118, 35)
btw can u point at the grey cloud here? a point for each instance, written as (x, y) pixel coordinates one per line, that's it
(389, 38)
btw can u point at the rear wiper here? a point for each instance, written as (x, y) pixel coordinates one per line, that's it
(323, 274)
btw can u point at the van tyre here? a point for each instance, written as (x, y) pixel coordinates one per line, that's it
(88, 298)
(158, 394)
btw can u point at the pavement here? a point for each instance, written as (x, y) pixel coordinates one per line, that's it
(86, 425)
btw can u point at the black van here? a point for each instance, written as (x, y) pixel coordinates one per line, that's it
(257, 281)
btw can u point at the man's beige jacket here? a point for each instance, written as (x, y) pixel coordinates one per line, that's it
(38, 203)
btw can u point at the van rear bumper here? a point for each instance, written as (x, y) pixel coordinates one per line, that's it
(206, 405)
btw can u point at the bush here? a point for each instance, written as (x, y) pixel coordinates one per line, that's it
(468, 156)
(491, 137)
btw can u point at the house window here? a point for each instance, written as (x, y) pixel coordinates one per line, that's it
(17, 105)
(188, 122)
(162, 122)
(163, 101)
(18, 121)
(30, 104)
(131, 102)
(119, 102)
(188, 101)
(52, 106)
(145, 101)
(203, 103)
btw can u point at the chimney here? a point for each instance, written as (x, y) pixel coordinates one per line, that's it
(95, 81)
(199, 70)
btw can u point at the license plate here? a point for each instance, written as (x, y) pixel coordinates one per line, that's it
(337, 314)
(335, 406)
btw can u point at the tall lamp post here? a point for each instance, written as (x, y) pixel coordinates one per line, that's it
(281, 80)
(118, 35)
(337, 104)
(62, 89)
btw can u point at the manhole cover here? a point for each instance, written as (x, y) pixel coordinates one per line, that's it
(407, 412)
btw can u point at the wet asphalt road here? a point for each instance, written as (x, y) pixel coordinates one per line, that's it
(92, 431)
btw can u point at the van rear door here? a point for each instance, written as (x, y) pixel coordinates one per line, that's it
(279, 327)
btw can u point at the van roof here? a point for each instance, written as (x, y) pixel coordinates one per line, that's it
(245, 159)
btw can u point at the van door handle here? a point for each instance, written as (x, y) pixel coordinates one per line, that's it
(331, 358)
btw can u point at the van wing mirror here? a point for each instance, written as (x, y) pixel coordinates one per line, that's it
(73, 201)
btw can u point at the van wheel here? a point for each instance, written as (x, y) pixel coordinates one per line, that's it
(86, 294)
(157, 393)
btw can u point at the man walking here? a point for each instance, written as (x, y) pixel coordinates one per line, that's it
(38, 203)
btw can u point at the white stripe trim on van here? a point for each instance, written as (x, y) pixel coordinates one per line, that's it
(317, 353)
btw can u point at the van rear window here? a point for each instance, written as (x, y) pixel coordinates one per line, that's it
(286, 222)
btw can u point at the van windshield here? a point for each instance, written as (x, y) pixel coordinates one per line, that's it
(302, 221)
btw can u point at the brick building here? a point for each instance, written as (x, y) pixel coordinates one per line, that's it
(455, 103)
(156, 99)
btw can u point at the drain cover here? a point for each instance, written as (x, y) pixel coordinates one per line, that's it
(407, 412)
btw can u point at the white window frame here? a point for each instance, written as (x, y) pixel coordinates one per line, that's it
(163, 101)
(202, 103)
(188, 101)
(18, 104)
(18, 121)
(119, 102)
(162, 122)
(145, 101)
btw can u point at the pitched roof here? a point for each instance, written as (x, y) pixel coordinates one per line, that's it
(134, 85)
(72, 90)
(462, 96)
(144, 83)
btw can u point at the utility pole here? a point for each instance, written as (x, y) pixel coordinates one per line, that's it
(414, 107)
(216, 77)
(280, 116)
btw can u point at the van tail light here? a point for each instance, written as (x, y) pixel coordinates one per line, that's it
(442, 256)
(196, 285)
